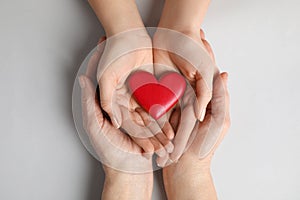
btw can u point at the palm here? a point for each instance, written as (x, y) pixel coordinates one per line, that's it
(122, 56)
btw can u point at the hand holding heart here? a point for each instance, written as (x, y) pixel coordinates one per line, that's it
(121, 55)
(128, 105)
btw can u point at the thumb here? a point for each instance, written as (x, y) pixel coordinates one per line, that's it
(107, 89)
(90, 108)
(203, 96)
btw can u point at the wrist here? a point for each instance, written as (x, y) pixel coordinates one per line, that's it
(117, 16)
(189, 178)
(122, 185)
(189, 165)
(121, 26)
(183, 16)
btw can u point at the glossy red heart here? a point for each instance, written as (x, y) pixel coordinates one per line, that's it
(156, 96)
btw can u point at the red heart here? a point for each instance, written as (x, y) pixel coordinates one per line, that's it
(156, 96)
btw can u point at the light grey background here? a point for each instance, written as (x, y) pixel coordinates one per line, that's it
(42, 45)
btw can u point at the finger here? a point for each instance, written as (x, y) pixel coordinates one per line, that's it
(92, 65)
(91, 111)
(175, 117)
(91, 70)
(165, 142)
(203, 96)
(209, 136)
(156, 130)
(88, 92)
(224, 76)
(227, 122)
(186, 125)
(146, 145)
(137, 119)
(227, 101)
(107, 87)
(209, 49)
(162, 161)
(166, 127)
(131, 127)
(149, 121)
(132, 103)
(158, 147)
(160, 143)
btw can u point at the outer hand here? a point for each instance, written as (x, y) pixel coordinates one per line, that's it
(192, 56)
(191, 175)
(114, 148)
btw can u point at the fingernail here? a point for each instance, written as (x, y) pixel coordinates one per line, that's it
(81, 82)
(169, 147)
(161, 152)
(116, 116)
(115, 123)
(202, 115)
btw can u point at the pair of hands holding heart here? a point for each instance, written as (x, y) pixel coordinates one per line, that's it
(124, 65)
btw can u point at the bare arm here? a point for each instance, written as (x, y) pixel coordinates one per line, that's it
(190, 178)
(117, 15)
(119, 185)
(184, 16)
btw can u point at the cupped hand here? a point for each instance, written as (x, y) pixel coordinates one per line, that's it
(207, 135)
(190, 177)
(190, 54)
(123, 54)
(115, 149)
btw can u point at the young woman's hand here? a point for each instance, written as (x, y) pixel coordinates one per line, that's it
(128, 47)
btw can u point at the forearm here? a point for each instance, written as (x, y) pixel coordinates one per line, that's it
(123, 186)
(117, 15)
(184, 15)
(191, 181)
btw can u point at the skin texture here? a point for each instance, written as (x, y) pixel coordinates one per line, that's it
(185, 17)
(190, 177)
(128, 175)
(125, 32)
